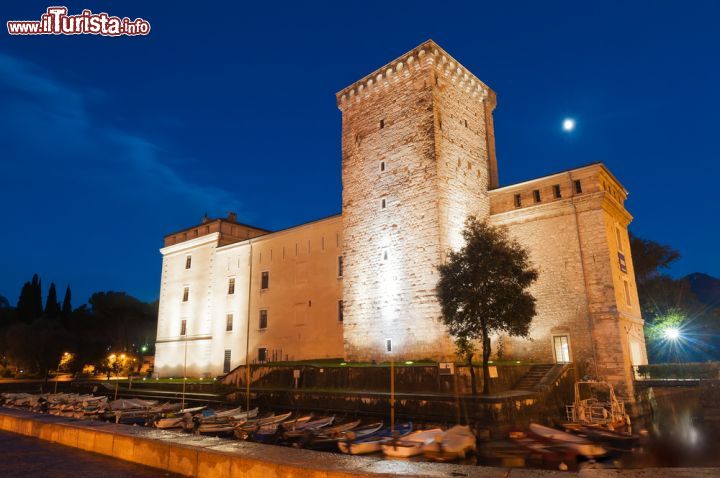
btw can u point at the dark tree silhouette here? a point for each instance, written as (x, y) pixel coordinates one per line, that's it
(66, 311)
(52, 306)
(29, 306)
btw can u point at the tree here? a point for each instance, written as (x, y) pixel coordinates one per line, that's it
(668, 303)
(649, 257)
(52, 306)
(483, 289)
(466, 350)
(66, 311)
(29, 306)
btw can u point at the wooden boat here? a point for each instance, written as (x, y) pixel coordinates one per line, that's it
(242, 432)
(333, 432)
(596, 405)
(325, 438)
(299, 429)
(168, 423)
(266, 434)
(291, 424)
(453, 444)
(226, 416)
(216, 428)
(361, 432)
(580, 445)
(616, 439)
(371, 443)
(411, 444)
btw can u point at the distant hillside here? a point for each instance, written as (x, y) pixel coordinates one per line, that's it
(705, 287)
(4, 302)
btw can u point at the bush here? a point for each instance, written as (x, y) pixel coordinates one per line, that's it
(704, 370)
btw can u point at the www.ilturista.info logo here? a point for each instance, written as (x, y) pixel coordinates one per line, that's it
(56, 21)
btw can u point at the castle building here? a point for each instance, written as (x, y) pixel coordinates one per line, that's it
(418, 157)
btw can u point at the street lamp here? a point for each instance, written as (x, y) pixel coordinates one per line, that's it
(672, 333)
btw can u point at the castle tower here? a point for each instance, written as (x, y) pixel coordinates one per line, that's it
(418, 157)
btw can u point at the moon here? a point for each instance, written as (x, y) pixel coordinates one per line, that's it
(568, 124)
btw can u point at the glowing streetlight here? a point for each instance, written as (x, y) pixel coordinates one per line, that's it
(672, 333)
(568, 124)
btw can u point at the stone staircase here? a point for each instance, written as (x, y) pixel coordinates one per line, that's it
(533, 377)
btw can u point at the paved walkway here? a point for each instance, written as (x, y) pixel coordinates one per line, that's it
(31, 457)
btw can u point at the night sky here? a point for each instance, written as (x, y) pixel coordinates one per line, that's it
(107, 144)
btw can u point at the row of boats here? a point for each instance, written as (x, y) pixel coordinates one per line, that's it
(329, 433)
(593, 428)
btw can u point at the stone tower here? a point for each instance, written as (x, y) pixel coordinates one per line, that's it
(418, 157)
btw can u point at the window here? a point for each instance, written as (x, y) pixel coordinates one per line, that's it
(262, 354)
(388, 345)
(229, 323)
(466, 124)
(536, 195)
(340, 266)
(188, 262)
(262, 325)
(231, 286)
(385, 255)
(340, 311)
(619, 239)
(383, 203)
(382, 123)
(382, 166)
(578, 186)
(556, 191)
(265, 280)
(226, 362)
(561, 344)
(186, 294)
(183, 327)
(518, 200)
(627, 293)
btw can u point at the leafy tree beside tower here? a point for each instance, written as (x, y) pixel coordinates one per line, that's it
(483, 290)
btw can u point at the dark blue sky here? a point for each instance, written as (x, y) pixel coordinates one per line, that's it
(106, 144)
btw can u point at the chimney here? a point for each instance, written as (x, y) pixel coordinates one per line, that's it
(232, 217)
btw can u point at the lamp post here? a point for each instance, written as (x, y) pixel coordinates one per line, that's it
(184, 375)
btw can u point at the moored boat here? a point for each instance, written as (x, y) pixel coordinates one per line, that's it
(579, 445)
(299, 429)
(411, 444)
(353, 444)
(453, 444)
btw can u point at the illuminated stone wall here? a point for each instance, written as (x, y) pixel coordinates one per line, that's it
(415, 140)
(302, 302)
(196, 311)
(573, 242)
